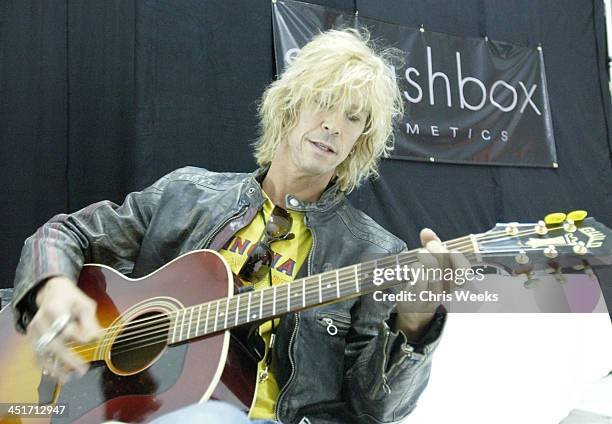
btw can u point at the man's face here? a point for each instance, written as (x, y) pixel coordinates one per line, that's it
(320, 140)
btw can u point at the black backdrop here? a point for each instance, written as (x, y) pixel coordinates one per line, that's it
(99, 98)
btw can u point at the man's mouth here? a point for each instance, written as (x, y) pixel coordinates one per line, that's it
(323, 147)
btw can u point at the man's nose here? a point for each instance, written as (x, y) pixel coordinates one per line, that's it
(330, 124)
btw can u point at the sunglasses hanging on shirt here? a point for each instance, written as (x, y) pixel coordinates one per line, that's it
(261, 256)
(258, 264)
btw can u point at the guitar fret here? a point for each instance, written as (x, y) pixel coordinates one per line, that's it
(338, 283)
(303, 293)
(370, 273)
(216, 315)
(320, 290)
(227, 301)
(356, 280)
(206, 324)
(182, 325)
(190, 321)
(288, 297)
(475, 248)
(237, 308)
(274, 300)
(397, 261)
(261, 303)
(249, 307)
(198, 323)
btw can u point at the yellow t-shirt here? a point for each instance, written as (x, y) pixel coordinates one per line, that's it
(289, 255)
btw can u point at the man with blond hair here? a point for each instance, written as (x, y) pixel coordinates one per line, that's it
(325, 124)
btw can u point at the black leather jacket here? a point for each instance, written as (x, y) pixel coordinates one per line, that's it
(363, 373)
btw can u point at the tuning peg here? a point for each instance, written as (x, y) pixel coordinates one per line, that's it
(569, 226)
(530, 282)
(577, 216)
(521, 258)
(559, 276)
(512, 229)
(540, 228)
(554, 218)
(551, 252)
(580, 248)
(586, 267)
(556, 271)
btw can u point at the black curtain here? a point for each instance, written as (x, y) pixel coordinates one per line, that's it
(99, 98)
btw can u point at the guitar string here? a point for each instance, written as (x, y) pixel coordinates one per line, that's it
(305, 293)
(151, 341)
(159, 340)
(312, 289)
(484, 236)
(162, 334)
(165, 327)
(468, 243)
(164, 330)
(458, 242)
(295, 282)
(163, 337)
(189, 324)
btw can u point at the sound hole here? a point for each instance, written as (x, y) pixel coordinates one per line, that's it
(140, 342)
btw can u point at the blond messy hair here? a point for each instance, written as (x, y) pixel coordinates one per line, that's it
(337, 68)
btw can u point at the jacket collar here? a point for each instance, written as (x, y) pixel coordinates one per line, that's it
(330, 198)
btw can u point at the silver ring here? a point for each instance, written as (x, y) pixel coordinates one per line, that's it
(50, 369)
(57, 327)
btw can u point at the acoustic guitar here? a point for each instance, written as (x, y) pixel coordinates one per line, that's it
(181, 334)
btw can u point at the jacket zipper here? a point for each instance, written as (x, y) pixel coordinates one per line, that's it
(283, 391)
(291, 344)
(219, 227)
(314, 244)
(384, 383)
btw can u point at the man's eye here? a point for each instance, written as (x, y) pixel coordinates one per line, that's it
(354, 118)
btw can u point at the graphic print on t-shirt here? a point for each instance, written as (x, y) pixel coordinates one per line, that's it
(243, 247)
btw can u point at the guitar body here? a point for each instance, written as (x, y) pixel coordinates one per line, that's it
(142, 381)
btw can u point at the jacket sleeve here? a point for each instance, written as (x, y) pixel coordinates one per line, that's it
(384, 374)
(102, 232)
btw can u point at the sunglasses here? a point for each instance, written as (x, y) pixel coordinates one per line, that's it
(259, 261)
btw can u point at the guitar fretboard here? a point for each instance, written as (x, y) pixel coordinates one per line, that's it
(341, 284)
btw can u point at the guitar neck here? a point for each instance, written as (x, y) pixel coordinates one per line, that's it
(304, 293)
(517, 248)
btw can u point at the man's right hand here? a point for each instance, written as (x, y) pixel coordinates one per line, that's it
(60, 296)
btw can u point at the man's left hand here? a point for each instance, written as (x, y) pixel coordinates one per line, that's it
(414, 316)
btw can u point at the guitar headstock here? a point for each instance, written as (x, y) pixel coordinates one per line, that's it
(555, 244)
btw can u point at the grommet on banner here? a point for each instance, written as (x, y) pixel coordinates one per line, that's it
(422, 29)
(486, 38)
(431, 159)
(539, 46)
(555, 165)
(273, 1)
